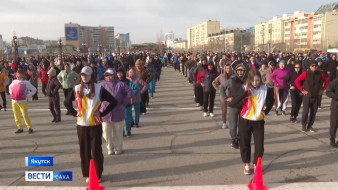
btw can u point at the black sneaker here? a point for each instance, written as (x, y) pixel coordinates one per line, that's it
(137, 126)
(30, 131)
(57, 121)
(292, 119)
(54, 120)
(277, 113)
(132, 124)
(234, 144)
(128, 134)
(333, 145)
(19, 131)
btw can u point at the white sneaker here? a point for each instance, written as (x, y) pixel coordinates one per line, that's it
(224, 126)
(201, 107)
(110, 152)
(212, 115)
(87, 180)
(205, 114)
(118, 152)
(197, 105)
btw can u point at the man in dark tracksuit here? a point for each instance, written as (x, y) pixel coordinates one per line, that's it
(332, 92)
(198, 88)
(235, 95)
(52, 91)
(296, 95)
(312, 88)
(205, 78)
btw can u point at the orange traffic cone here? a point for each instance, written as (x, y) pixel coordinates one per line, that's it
(257, 182)
(93, 181)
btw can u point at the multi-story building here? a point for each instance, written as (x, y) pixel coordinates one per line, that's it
(122, 41)
(300, 31)
(180, 45)
(197, 36)
(229, 40)
(169, 39)
(95, 38)
(269, 36)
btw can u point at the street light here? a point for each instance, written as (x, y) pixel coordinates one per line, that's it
(15, 45)
(60, 47)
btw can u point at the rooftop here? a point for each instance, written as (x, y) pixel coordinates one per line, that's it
(327, 8)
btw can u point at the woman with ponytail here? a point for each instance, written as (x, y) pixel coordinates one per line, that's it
(88, 97)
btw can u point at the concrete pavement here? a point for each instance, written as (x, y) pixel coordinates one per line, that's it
(175, 147)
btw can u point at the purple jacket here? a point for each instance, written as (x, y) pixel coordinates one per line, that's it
(122, 93)
(143, 86)
(278, 76)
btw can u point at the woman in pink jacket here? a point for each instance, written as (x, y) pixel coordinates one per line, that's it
(280, 90)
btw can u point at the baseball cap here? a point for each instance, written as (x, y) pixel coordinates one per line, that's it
(109, 71)
(87, 70)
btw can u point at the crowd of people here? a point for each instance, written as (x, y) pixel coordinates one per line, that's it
(106, 90)
(252, 84)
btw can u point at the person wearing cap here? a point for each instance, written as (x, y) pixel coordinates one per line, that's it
(232, 91)
(332, 92)
(251, 120)
(20, 90)
(270, 98)
(205, 78)
(281, 93)
(136, 100)
(114, 122)
(314, 83)
(121, 75)
(68, 80)
(89, 96)
(52, 91)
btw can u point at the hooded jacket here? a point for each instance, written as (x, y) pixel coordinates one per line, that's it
(122, 93)
(235, 89)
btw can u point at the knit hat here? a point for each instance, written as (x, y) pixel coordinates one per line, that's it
(240, 67)
(211, 63)
(51, 72)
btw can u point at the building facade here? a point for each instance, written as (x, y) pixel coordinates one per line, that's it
(300, 31)
(180, 45)
(197, 36)
(89, 38)
(169, 39)
(229, 41)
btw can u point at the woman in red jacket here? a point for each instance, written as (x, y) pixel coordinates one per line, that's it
(43, 78)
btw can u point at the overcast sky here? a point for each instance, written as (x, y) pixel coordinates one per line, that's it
(143, 19)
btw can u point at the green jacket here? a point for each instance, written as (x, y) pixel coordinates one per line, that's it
(68, 80)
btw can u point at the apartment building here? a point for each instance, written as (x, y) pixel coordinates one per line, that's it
(198, 34)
